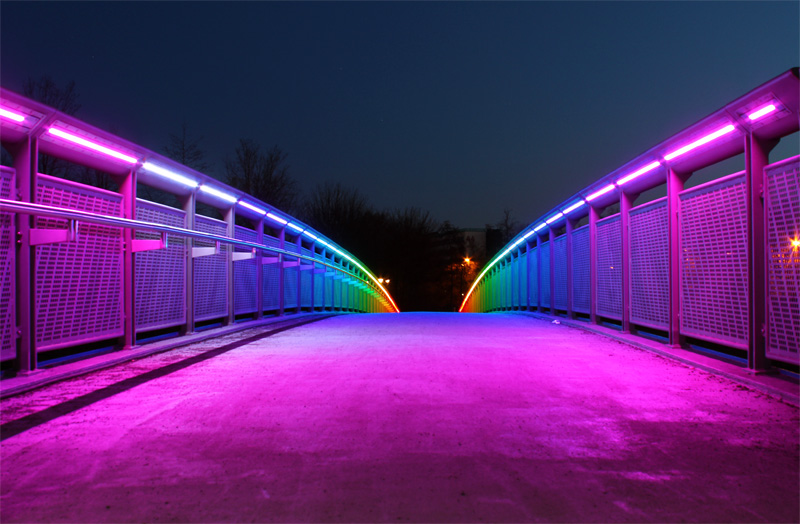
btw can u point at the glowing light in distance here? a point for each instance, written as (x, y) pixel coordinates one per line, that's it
(646, 169)
(166, 173)
(755, 115)
(574, 206)
(697, 143)
(91, 145)
(11, 115)
(795, 243)
(251, 207)
(600, 192)
(540, 226)
(277, 219)
(217, 193)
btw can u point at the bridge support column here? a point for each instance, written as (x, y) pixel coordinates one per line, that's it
(675, 183)
(625, 204)
(26, 165)
(128, 191)
(756, 159)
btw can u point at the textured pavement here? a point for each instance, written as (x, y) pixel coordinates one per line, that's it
(417, 417)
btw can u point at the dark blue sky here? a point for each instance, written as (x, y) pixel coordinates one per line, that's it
(462, 109)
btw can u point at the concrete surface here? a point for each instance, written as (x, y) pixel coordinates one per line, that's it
(416, 417)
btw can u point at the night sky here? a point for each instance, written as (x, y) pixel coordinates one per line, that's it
(462, 109)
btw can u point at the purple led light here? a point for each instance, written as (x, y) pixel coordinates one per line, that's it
(295, 227)
(755, 115)
(600, 192)
(574, 206)
(91, 145)
(251, 207)
(309, 235)
(217, 193)
(166, 173)
(540, 226)
(554, 218)
(528, 234)
(646, 169)
(277, 219)
(11, 115)
(697, 143)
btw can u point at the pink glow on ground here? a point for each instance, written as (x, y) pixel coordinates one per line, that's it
(415, 417)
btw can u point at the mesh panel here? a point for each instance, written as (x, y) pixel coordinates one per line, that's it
(160, 281)
(328, 289)
(271, 285)
(305, 288)
(337, 293)
(560, 267)
(245, 285)
(78, 285)
(783, 260)
(581, 287)
(514, 282)
(210, 273)
(544, 274)
(318, 289)
(272, 242)
(523, 280)
(290, 286)
(714, 261)
(8, 346)
(650, 265)
(609, 267)
(534, 277)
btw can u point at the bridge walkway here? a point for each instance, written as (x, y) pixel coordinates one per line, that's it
(418, 417)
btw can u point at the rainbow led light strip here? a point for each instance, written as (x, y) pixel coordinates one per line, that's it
(723, 131)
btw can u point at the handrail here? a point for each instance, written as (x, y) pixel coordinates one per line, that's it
(108, 220)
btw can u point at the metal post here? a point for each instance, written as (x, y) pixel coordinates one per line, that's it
(570, 312)
(230, 220)
(527, 275)
(26, 164)
(625, 204)
(756, 159)
(675, 183)
(594, 216)
(281, 301)
(259, 225)
(299, 243)
(551, 246)
(539, 273)
(188, 207)
(128, 191)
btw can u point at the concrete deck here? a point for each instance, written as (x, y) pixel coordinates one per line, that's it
(418, 417)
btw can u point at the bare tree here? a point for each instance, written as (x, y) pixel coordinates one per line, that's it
(65, 99)
(185, 148)
(263, 175)
(508, 226)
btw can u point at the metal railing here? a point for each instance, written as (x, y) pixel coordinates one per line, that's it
(86, 267)
(717, 263)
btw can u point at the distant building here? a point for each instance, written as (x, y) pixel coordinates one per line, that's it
(475, 242)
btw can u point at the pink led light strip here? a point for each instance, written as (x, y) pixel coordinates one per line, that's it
(755, 115)
(702, 141)
(11, 115)
(91, 145)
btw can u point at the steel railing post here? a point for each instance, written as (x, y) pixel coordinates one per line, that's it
(625, 204)
(230, 221)
(189, 208)
(675, 183)
(570, 312)
(259, 225)
(128, 191)
(594, 216)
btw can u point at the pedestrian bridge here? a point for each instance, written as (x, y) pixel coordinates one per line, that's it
(209, 368)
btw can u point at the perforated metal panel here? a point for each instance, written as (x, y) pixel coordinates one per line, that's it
(783, 260)
(271, 285)
(329, 288)
(544, 273)
(160, 281)
(581, 288)
(713, 220)
(8, 323)
(533, 276)
(290, 286)
(318, 283)
(649, 265)
(514, 282)
(560, 267)
(305, 288)
(78, 285)
(245, 285)
(337, 292)
(609, 267)
(210, 273)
